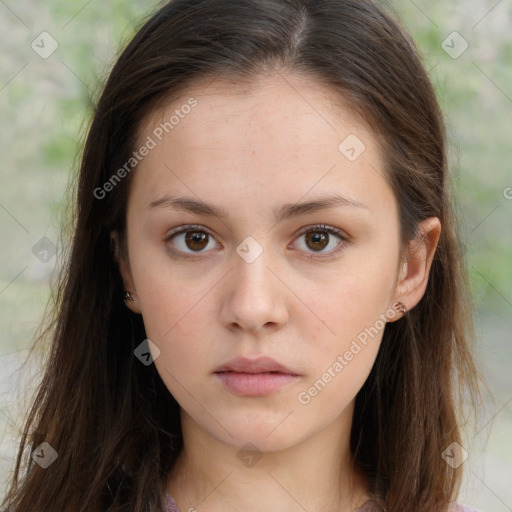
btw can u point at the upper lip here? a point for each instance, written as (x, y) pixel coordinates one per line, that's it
(258, 365)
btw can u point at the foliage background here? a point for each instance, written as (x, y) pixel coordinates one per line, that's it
(45, 106)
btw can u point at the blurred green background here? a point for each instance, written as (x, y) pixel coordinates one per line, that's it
(45, 107)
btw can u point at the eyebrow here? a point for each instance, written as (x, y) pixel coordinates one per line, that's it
(282, 213)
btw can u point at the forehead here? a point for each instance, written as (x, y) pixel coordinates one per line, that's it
(278, 134)
(269, 102)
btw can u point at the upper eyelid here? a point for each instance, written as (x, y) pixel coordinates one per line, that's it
(187, 227)
(198, 227)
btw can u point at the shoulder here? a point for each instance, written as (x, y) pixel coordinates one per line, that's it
(464, 508)
(172, 507)
(370, 506)
(170, 504)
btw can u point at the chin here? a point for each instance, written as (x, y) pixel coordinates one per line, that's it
(267, 436)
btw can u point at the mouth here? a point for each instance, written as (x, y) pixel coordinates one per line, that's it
(259, 365)
(257, 377)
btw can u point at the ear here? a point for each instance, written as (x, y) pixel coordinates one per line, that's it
(413, 278)
(126, 274)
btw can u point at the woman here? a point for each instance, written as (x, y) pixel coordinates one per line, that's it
(265, 301)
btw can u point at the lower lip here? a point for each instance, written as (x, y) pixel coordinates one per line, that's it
(255, 384)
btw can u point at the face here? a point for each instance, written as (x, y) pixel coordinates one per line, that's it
(305, 286)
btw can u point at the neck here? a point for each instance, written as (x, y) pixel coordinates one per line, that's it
(315, 475)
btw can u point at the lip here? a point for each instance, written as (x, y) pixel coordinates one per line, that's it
(254, 377)
(259, 365)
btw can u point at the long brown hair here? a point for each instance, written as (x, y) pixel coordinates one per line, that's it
(111, 419)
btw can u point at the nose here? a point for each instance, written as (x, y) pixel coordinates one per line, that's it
(256, 296)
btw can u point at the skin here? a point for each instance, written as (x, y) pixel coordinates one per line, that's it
(250, 149)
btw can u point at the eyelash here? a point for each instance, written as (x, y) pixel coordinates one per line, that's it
(317, 227)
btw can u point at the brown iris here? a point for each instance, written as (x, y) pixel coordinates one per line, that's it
(196, 237)
(318, 240)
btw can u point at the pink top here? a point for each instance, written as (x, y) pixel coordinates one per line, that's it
(367, 507)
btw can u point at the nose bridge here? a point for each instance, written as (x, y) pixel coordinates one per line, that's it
(251, 269)
(255, 295)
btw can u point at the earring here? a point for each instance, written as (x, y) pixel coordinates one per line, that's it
(400, 307)
(127, 296)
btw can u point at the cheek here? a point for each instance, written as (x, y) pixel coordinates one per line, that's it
(340, 362)
(177, 311)
(168, 298)
(349, 304)
(180, 329)
(176, 319)
(346, 338)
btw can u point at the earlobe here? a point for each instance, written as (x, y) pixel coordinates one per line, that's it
(414, 273)
(129, 294)
(131, 302)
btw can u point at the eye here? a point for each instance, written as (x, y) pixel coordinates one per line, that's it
(319, 237)
(195, 239)
(191, 239)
